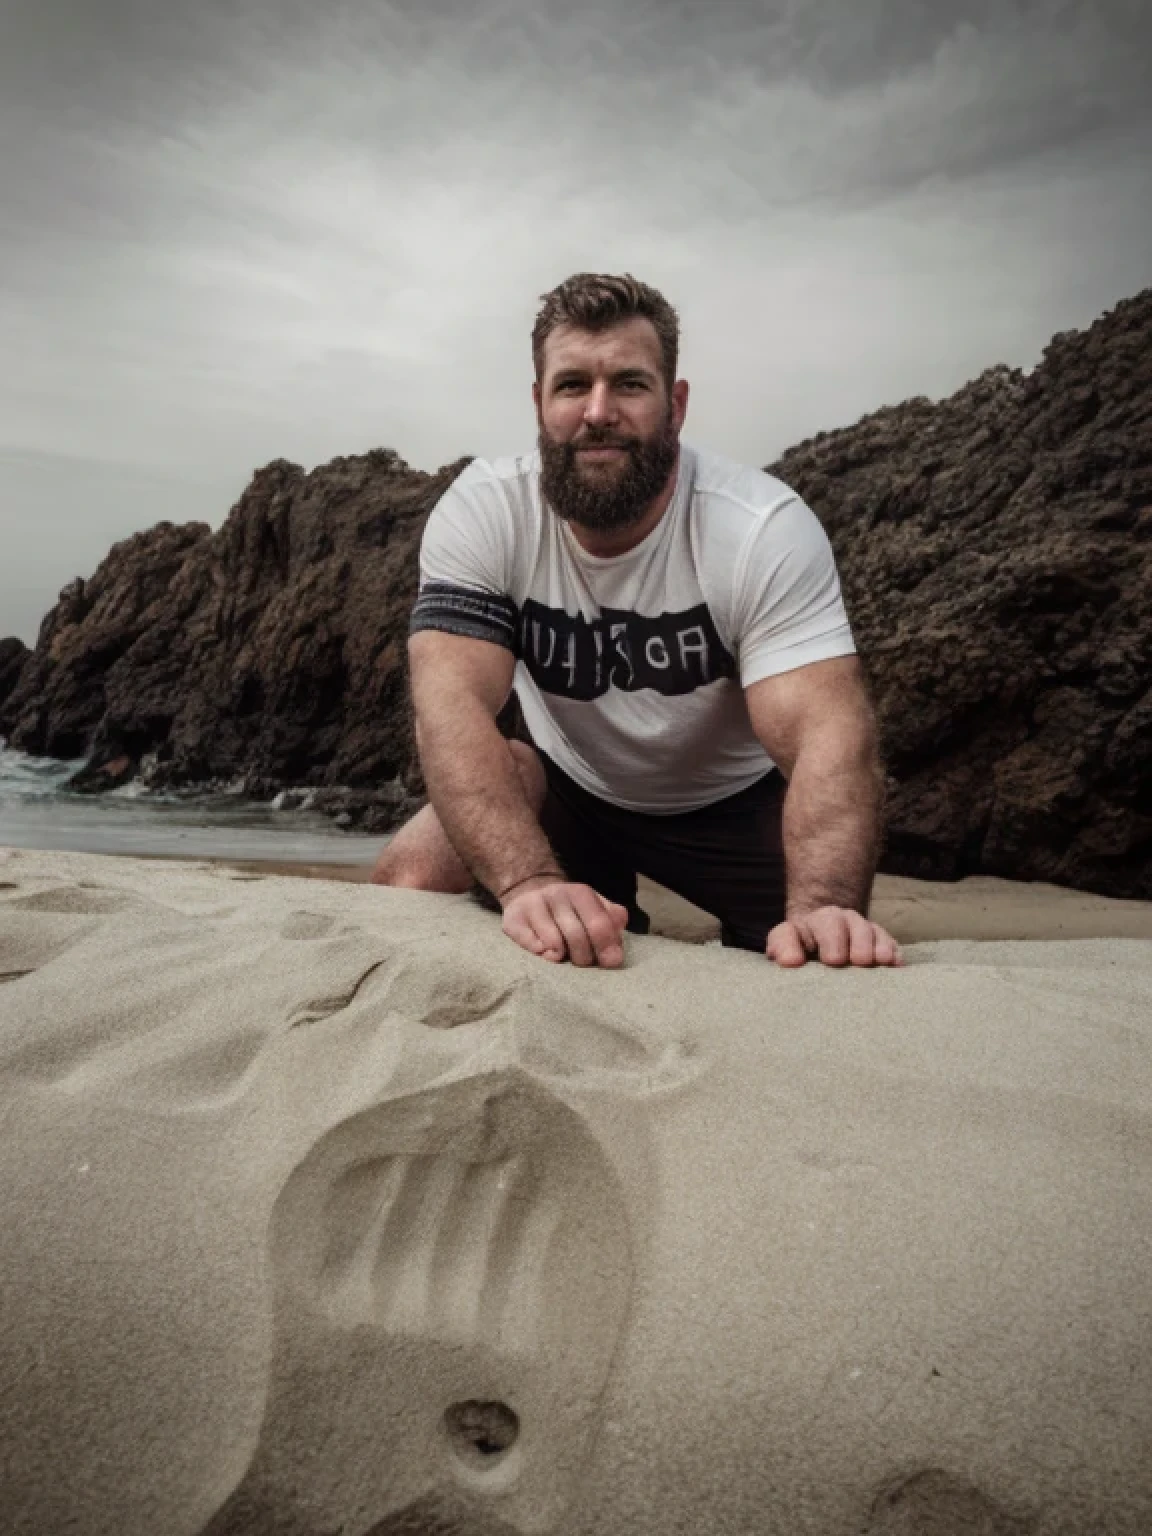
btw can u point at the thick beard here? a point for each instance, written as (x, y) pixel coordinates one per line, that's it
(616, 502)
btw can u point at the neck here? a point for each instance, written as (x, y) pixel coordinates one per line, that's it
(605, 543)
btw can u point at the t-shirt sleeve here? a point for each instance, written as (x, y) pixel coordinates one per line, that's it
(465, 560)
(789, 610)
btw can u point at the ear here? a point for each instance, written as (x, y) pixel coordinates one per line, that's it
(679, 402)
(536, 395)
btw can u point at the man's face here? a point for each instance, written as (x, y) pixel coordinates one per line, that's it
(609, 432)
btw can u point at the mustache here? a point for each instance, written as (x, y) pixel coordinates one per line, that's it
(591, 440)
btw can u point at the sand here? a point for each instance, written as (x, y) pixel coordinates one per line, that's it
(326, 1209)
(979, 907)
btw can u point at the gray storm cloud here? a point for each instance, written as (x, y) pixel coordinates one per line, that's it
(249, 230)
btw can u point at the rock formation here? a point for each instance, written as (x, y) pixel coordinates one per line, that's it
(270, 652)
(13, 655)
(996, 550)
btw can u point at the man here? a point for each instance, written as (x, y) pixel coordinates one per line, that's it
(673, 627)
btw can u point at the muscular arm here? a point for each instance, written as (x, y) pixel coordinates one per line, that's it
(818, 724)
(458, 687)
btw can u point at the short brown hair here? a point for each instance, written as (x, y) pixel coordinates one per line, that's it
(594, 301)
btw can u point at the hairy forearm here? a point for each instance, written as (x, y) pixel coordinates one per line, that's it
(832, 823)
(478, 796)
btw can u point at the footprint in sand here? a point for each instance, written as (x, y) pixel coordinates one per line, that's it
(452, 1271)
(934, 1503)
(76, 900)
(307, 925)
(39, 927)
(555, 1036)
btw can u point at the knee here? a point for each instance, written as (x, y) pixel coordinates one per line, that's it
(394, 869)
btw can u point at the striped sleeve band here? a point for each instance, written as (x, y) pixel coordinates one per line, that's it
(466, 611)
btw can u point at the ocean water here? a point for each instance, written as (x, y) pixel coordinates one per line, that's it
(36, 811)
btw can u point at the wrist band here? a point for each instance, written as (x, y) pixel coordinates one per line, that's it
(541, 874)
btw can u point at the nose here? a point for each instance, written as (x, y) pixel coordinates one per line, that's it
(600, 408)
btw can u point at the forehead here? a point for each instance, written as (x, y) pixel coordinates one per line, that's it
(631, 344)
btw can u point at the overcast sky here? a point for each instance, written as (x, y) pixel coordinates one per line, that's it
(235, 230)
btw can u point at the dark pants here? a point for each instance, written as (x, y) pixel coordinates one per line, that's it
(727, 858)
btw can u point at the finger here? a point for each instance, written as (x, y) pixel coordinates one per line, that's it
(887, 950)
(832, 935)
(861, 940)
(603, 922)
(785, 945)
(521, 932)
(614, 911)
(531, 926)
(571, 925)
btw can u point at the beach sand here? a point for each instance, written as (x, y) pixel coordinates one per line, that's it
(327, 1209)
(915, 911)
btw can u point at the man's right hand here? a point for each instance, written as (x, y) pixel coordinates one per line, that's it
(557, 919)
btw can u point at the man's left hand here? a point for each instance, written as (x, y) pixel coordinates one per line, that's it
(835, 935)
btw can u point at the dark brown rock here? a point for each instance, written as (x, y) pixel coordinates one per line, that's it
(91, 643)
(271, 652)
(13, 656)
(94, 780)
(996, 552)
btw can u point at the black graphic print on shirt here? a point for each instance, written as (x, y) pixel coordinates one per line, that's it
(673, 654)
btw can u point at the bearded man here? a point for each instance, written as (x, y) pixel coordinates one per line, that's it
(673, 627)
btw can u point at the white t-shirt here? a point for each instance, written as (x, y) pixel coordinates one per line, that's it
(631, 669)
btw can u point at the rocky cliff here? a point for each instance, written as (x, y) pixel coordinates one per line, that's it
(13, 656)
(270, 652)
(996, 550)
